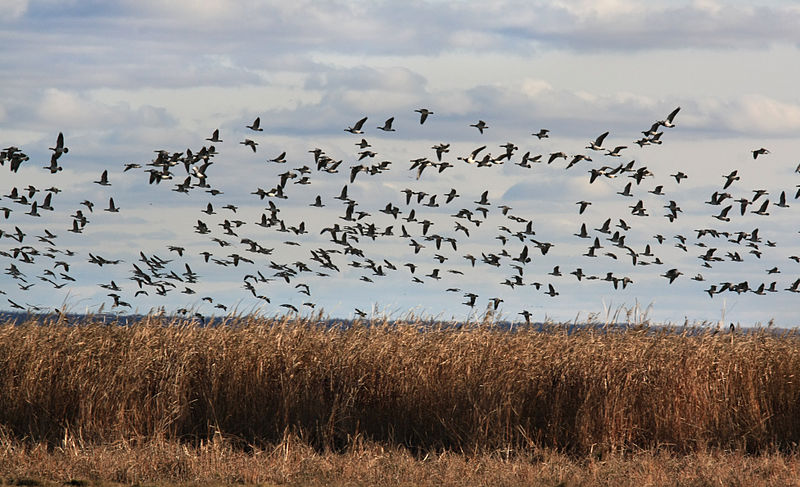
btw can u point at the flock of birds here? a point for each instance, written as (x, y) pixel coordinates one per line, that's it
(433, 226)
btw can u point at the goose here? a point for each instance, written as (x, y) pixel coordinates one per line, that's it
(104, 179)
(730, 178)
(215, 136)
(111, 207)
(668, 122)
(471, 158)
(616, 151)
(256, 126)
(542, 134)
(356, 128)
(33, 211)
(59, 148)
(597, 144)
(577, 158)
(387, 125)
(250, 143)
(556, 155)
(281, 159)
(423, 114)
(481, 125)
(671, 274)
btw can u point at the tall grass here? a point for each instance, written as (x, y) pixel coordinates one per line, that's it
(469, 389)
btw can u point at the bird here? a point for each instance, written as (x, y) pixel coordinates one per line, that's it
(280, 159)
(387, 126)
(542, 134)
(668, 121)
(672, 274)
(759, 152)
(615, 152)
(104, 179)
(423, 114)
(730, 178)
(111, 207)
(678, 176)
(256, 126)
(250, 143)
(481, 125)
(597, 144)
(356, 128)
(215, 136)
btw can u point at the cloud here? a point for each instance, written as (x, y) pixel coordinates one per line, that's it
(77, 111)
(12, 9)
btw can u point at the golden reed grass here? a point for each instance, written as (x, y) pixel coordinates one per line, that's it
(477, 389)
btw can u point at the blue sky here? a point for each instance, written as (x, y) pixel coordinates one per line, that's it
(124, 79)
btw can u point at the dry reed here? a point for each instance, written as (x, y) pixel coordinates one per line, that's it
(477, 389)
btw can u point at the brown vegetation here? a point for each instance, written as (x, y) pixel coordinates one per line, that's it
(293, 462)
(424, 390)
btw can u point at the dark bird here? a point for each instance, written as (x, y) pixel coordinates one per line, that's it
(730, 178)
(672, 274)
(104, 179)
(723, 215)
(615, 152)
(111, 208)
(423, 114)
(387, 126)
(215, 137)
(356, 128)
(250, 143)
(668, 122)
(256, 125)
(281, 159)
(678, 176)
(481, 125)
(597, 144)
(59, 148)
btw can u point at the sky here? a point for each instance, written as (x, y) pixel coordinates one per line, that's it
(122, 80)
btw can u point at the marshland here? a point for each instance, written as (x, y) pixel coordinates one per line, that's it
(290, 400)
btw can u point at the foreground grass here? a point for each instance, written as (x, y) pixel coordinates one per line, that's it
(467, 390)
(292, 462)
(166, 400)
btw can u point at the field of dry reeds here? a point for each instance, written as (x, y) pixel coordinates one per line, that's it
(411, 386)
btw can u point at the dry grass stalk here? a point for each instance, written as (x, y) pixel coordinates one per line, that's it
(475, 389)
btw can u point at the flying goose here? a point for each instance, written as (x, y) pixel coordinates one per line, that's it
(356, 128)
(256, 125)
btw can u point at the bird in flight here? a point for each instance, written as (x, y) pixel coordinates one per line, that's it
(423, 114)
(668, 122)
(256, 126)
(597, 144)
(356, 128)
(215, 137)
(481, 125)
(387, 126)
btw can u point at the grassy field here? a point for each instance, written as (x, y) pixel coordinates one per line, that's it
(289, 401)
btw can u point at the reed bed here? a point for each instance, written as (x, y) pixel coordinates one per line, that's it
(423, 388)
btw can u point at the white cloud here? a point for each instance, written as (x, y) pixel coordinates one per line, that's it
(75, 110)
(12, 9)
